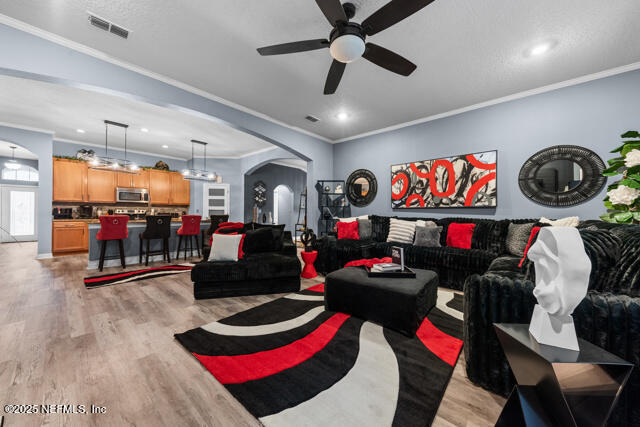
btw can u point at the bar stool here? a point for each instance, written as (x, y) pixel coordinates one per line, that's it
(190, 228)
(216, 220)
(158, 228)
(112, 227)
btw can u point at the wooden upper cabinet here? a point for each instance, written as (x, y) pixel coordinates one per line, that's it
(69, 180)
(134, 180)
(140, 180)
(124, 180)
(159, 187)
(101, 186)
(180, 190)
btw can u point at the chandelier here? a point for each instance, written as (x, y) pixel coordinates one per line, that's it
(113, 164)
(203, 174)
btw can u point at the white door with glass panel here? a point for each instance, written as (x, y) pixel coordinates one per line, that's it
(18, 213)
(215, 200)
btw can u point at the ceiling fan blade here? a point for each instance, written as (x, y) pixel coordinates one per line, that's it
(333, 11)
(334, 76)
(392, 13)
(293, 47)
(388, 60)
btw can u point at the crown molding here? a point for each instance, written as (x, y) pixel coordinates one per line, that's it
(28, 28)
(548, 88)
(23, 127)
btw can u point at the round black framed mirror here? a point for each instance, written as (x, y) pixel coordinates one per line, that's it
(562, 175)
(362, 187)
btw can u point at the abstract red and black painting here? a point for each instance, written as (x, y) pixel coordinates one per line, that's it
(468, 180)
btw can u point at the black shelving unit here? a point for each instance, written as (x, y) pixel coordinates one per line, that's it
(332, 204)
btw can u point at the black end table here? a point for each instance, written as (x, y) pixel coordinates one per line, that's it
(559, 387)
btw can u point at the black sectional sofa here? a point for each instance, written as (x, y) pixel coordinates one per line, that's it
(496, 290)
(254, 274)
(453, 265)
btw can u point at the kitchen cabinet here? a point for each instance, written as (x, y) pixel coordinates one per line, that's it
(180, 190)
(69, 180)
(159, 187)
(70, 236)
(129, 180)
(140, 180)
(101, 186)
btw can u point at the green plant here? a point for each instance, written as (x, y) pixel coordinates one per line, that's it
(623, 196)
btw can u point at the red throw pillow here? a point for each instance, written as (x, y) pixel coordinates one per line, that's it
(532, 238)
(348, 230)
(459, 235)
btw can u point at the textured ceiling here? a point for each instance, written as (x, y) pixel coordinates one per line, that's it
(65, 109)
(467, 51)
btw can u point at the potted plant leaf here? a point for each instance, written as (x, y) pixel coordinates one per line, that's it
(623, 196)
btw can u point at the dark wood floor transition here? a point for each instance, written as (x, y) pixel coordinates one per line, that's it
(113, 347)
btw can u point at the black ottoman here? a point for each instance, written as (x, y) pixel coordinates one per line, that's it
(398, 304)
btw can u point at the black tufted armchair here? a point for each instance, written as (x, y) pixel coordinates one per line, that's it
(609, 316)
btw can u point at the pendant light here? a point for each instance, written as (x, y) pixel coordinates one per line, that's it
(203, 174)
(13, 163)
(111, 164)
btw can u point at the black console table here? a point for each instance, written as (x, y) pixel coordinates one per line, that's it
(559, 387)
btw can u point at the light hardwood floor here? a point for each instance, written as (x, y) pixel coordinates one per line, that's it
(113, 347)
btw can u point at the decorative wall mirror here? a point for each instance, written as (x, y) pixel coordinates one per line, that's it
(362, 187)
(563, 175)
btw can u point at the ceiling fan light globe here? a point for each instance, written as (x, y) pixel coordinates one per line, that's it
(347, 48)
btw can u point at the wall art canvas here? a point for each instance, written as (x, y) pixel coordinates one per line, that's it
(465, 181)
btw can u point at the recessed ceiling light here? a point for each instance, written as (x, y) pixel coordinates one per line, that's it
(144, 130)
(540, 48)
(165, 146)
(342, 116)
(80, 130)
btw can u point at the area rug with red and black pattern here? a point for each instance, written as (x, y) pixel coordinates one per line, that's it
(290, 362)
(135, 275)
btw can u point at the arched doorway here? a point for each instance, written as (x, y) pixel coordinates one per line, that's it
(283, 209)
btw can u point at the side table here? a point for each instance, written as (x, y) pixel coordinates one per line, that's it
(309, 271)
(556, 386)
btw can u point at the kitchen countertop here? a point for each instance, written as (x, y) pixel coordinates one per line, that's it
(134, 221)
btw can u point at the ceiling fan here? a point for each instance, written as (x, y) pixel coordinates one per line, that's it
(347, 39)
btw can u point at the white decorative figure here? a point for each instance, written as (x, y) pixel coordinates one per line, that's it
(562, 279)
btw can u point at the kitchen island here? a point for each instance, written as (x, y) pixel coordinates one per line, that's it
(132, 244)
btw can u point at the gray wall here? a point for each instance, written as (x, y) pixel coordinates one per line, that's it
(273, 175)
(40, 144)
(29, 162)
(592, 115)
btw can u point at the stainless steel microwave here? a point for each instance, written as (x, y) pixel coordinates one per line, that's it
(132, 195)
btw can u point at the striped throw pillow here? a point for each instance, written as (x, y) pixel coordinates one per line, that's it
(401, 231)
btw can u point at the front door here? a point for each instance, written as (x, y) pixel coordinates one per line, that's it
(18, 213)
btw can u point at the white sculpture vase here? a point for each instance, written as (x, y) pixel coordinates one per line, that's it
(562, 279)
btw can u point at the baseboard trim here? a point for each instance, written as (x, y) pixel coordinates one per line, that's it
(44, 256)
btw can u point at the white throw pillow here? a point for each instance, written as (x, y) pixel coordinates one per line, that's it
(224, 247)
(421, 223)
(401, 231)
(570, 221)
(353, 218)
